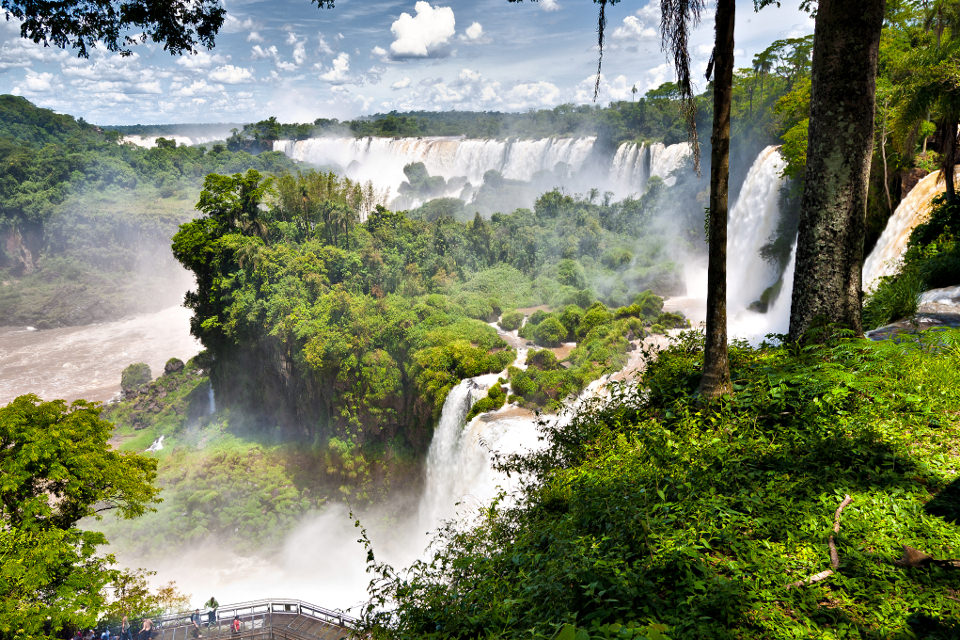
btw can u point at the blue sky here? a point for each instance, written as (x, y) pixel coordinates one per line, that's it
(289, 59)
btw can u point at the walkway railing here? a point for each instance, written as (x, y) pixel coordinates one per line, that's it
(274, 619)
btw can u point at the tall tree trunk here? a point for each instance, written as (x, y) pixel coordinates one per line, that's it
(716, 367)
(948, 156)
(827, 284)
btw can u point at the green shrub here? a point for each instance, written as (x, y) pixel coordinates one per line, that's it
(542, 359)
(134, 376)
(511, 320)
(550, 332)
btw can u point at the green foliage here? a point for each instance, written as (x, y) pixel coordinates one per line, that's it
(657, 512)
(134, 376)
(550, 332)
(85, 222)
(56, 468)
(511, 320)
(496, 397)
(367, 326)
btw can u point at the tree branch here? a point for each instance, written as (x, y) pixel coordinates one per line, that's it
(832, 546)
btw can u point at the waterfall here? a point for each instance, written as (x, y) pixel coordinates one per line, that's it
(211, 401)
(887, 255)
(156, 446)
(753, 221)
(381, 160)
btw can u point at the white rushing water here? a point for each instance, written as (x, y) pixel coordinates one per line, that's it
(751, 224)
(887, 254)
(150, 141)
(381, 160)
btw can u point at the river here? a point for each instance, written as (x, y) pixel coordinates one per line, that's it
(86, 361)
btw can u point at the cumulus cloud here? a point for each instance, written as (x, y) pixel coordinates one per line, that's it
(401, 84)
(230, 74)
(200, 60)
(549, 5)
(198, 87)
(633, 28)
(620, 87)
(233, 24)
(260, 52)
(337, 74)
(473, 33)
(35, 82)
(426, 35)
(254, 36)
(323, 46)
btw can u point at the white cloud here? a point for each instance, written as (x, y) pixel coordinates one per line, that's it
(232, 24)
(532, 94)
(425, 35)
(198, 87)
(299, 53)
(379, 51)
(401, 84)
(337, 74)
(633, 29)
(200, 60)
(36, 82)
(259, 52)
(473, 33)
(254, 36)
(230, 74)
(323, 46)
(620, 87)
(549, 5)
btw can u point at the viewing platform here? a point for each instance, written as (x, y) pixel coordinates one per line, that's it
(260, 620)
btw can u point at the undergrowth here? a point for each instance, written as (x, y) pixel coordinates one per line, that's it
(655, 516)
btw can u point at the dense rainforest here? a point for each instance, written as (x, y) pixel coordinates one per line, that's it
(85, 221)
(334, 328)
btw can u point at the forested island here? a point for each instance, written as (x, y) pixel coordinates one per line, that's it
(342, 339)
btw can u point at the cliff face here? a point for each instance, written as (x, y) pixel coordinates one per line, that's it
(266, 382)
(19, 248)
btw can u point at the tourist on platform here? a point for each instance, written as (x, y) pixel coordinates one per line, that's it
(211, 604)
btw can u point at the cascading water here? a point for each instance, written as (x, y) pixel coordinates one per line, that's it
(211, 401)
(381, 160)
(753, 220)
(913, 210)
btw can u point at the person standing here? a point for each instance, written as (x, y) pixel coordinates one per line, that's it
(146, 632)
(195, 623)
(125, 629)
(211, 604)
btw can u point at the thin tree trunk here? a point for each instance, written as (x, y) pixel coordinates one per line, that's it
(883, 154)
(948, 157)
(827, 284)
(716, 367)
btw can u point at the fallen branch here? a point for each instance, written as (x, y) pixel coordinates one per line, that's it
(832, 545)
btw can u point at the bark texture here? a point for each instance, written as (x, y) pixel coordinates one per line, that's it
(827, 285)
(716, 367)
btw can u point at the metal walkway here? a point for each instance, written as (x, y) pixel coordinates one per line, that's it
(260, 620)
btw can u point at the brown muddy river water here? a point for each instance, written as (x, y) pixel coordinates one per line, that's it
(86, 361)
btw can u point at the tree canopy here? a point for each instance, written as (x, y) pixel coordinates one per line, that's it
(56, 468)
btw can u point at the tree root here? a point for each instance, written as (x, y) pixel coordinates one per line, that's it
(832, 546)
